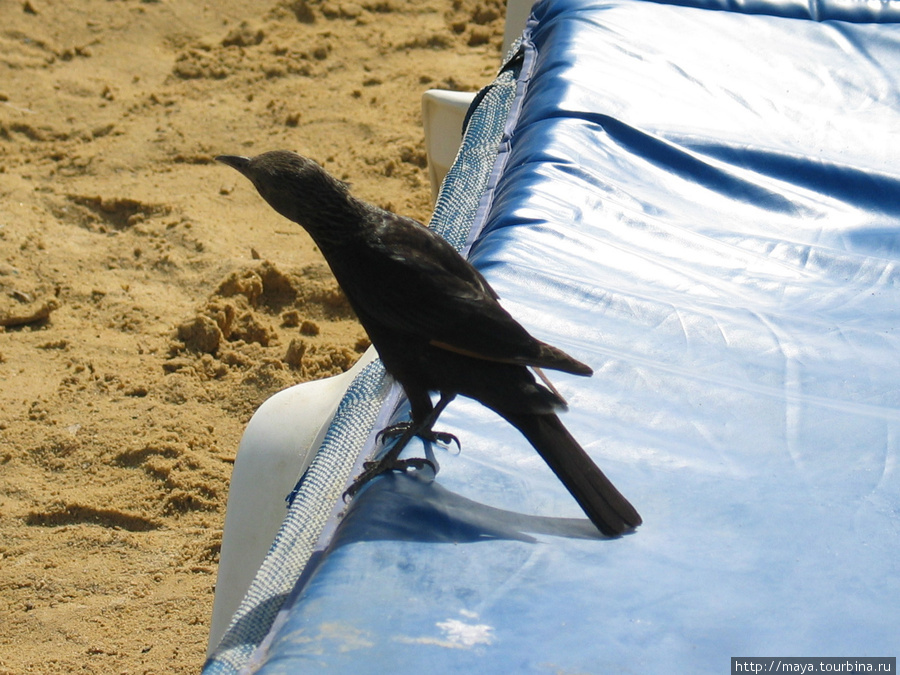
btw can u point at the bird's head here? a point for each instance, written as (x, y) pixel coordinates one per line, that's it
(295, 186)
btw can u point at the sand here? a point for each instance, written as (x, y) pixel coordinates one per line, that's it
(149, 299)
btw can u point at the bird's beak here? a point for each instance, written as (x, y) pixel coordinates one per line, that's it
(235, 161)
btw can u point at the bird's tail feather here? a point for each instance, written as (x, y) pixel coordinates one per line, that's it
(594, 492)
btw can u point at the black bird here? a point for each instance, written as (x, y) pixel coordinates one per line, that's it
(436, 324)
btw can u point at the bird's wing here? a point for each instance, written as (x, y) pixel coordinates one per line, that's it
(416, 283)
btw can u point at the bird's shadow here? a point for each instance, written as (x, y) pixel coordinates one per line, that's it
(413, 507)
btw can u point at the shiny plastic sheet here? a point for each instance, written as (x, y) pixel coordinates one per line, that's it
(705, 207)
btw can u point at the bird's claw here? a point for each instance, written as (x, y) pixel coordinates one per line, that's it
(392, 431)
(442, 437)
(376, 468)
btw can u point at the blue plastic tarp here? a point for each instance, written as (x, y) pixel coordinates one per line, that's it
(705, 207)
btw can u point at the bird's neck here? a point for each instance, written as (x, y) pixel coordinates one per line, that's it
(337, 223)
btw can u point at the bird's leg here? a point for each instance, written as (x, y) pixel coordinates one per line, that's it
(405, 431)
(424, 415)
